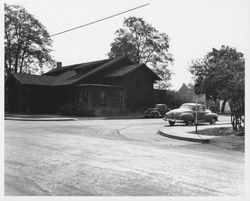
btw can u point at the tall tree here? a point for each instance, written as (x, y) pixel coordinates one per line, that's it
(27, 43)
(142, 43)
(221, 74)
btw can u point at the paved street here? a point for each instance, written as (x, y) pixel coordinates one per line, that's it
(115, 157)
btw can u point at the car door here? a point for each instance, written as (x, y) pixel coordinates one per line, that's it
(201, 111)
(162, 109)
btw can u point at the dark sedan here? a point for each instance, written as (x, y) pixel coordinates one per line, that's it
(187, 113)
(158, 111)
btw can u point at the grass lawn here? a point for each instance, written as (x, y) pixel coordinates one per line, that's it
(229, 139)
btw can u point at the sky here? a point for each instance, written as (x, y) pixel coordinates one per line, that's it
(193, 26)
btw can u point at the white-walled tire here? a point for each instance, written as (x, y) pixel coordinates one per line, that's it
(189, 123)
(213, 121)
(171, 123)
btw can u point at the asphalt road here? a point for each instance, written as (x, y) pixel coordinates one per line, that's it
(115, 157)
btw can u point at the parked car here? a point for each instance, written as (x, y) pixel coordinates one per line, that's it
(187, 112)
(158, 111)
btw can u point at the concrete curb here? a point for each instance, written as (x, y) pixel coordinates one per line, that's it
(58, 118)
(40, 119)
(192, 137)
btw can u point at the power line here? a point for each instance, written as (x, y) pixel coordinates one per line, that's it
(99, 20)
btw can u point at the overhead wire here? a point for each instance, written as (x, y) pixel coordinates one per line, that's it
(96, 21)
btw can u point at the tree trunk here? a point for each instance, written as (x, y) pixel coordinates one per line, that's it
(17, 58)
(223, 107)
(18, 48)
(16, 64)
(237, 115)
(22, 60)
(23, 54)
(7, 53)
(216, 105)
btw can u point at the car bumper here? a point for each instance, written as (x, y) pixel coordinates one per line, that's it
(173, 120)
(148, 116)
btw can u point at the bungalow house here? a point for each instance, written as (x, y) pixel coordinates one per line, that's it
(110, 85)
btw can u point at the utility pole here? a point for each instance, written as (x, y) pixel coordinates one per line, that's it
(197, 92)
(196, 120)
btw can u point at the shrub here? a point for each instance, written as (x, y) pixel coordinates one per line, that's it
(173, 99)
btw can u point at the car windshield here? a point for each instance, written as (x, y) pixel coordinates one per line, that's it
(190, 107)
(160, 107)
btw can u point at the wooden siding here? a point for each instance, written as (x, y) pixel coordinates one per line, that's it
(101, 100)
(137, 85)
(139, 89)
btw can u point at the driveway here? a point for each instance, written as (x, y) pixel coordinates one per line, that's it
(114, 157)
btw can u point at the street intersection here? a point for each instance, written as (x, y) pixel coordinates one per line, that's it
(125, 157)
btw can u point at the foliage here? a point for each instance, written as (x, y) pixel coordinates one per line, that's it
(142, 43)
(173, 99)
(221, 74)
(169, 97)
(27, 43)
(236, 95)
(216, 70)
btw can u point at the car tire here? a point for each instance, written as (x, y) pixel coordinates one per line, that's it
(189, 123)
(171, 123)
(156, 115)
(213, 121)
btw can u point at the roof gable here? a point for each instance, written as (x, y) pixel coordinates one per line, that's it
(81, 67)
(112, 64)
(109, 65)
(184, 88)
(74, 74)
(118, 71)
(124, 70)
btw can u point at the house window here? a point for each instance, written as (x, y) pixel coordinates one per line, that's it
(103, 97)
(80, 96)
(117, 96)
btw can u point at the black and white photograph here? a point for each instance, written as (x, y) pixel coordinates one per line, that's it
(120, 99)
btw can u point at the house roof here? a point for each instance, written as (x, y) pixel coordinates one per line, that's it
(124, 70)
(74, 74)
(119, 61)
(81, 66)
(184, 88)
(34, 79)
(117, 72)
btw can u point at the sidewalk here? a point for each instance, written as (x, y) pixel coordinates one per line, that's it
(178, 133)
(38, 118)
(49, 117)
(186, 136)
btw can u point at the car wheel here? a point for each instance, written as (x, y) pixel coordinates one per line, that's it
(155, 115)
(188, 123)
(213, 121)
(171, 123)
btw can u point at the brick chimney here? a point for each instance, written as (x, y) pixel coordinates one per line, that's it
(58, 64)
